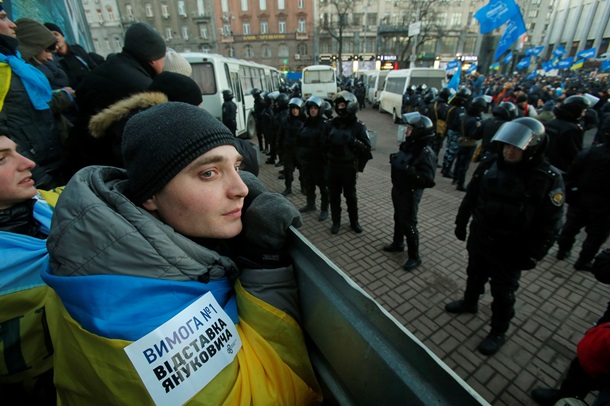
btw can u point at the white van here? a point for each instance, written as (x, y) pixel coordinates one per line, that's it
(319, 80)
(374, 86)
(396, 84)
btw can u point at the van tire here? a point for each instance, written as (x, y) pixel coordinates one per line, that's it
(395, 117)
(250, 128)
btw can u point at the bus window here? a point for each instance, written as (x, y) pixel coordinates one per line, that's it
(203, 74)
(235, 85)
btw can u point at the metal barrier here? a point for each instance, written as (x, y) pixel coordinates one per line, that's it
(361, 354)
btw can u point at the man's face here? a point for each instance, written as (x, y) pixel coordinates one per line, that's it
(45, 55)
(62, 47)
(296, 111)
(16, 183)
(314, 111)
(512, 154)
(205, 199)
(158, 64)
(7, 27)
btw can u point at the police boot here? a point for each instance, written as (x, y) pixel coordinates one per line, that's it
(446, 172)
(334, 229)
(492, 343)
(323, 206)
(310, 206)
(413, 250)
(546, 396)
(470, 303)
(355, 226)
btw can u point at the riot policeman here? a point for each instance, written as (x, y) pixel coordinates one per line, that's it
(347, 148)
(455, 115)
(516, 203)
(288, 137)
(229, 111)
(412, 169)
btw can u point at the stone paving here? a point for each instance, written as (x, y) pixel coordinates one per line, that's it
(555, 303)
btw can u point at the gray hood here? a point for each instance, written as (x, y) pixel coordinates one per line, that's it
(96, 229)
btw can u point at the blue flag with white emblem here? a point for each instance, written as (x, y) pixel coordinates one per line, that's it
(524, 63)
(559, 51)
(605, 65)
(495, 14)
(454, 83)
(534, 51)
(471, 69)
(453, 64)
(531, 75)
(508, 57)
(565, 63)
(514, 29)
(586, 53)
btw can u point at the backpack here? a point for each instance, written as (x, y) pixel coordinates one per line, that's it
(441, 125)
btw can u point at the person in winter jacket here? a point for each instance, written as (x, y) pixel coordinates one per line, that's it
(471, 125)
(189, 251)
(412, 168)
(288, 138)
(229, 111)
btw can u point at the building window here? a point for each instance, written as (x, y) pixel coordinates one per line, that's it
(200, 7)
(181, 9)
(441, 19)
(325, 48)
(302, 48)
(224, 6)
(533, 14)
(302, 25)
(246, 27)
(107, 44)
(262, 4)
(282, 50)
(117, 44)
(88, 16)
(281, 5)
(249, 51)
(456, 19)
(110, 13)
(168, 33)
(371, 19)
(203, 32)
(226, 30)
(266, 51)
(244, 5)
(301, 4)
(229, 51)
(264, 27)
(185, 32)
(165, 10)
(149, 10)
(357, 19)
(535, 2)
(282, 26)
(343, 19)
(100, 15)
(129, 11)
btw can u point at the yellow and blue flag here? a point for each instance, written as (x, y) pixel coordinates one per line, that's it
(577, 65)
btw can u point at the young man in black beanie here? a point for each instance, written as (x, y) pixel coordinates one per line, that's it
(180, 224)
(130, 71)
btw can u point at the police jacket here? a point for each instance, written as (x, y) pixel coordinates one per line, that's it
(346, 142)
(259, 108)
(470, 128)
(588, 178)
(455, 115)
(437, 110)
(488, 129)
(516, 210)
(290, 129)
(309, 141)
(565, 141)
(413, 166)
(229, 115)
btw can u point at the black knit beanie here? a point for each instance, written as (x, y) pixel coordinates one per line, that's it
(54, 27)
(162, 140)
(143, 42)
(177, 87)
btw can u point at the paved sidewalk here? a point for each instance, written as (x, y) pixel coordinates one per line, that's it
(555, 303)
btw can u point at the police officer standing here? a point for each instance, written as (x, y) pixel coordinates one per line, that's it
(413, 168)
(229, 111)
(516, 203)
(288, 139)
(455, 115)
(471, 125)
(347, 148)
(257, 113)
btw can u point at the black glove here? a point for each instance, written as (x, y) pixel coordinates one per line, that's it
(460, 232)
(360, 146)
(265, 226)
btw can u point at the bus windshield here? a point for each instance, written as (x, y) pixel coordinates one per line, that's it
(319, 76)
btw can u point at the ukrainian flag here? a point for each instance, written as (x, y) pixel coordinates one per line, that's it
(578, 64)
(93, 318)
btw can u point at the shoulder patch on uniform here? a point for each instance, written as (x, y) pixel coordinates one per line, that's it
(557, 197)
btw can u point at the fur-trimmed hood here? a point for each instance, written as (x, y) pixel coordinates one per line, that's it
(123, 110)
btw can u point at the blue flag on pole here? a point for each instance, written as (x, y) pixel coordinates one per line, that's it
(454, 83)
(587, 53)
(452, 65)
(471, 69)
(565, 63)
(531, 75)
(514, 29)
(495, 14)
(559, 51)
(606, 65)
(524, 63)
(534, 51)
(508, 57)
(547, 66)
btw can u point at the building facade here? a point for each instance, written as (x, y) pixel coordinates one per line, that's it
(273, 32)
(105, 25)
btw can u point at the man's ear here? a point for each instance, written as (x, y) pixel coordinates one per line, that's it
(150, 204)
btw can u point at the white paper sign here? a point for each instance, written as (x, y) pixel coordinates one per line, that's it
(180, 357)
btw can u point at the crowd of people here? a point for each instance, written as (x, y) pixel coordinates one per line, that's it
(120, 194)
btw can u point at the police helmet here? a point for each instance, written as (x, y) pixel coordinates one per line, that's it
(445, 94)
(572, 107)
(282, 100)
(525, 133)
(273, 95)
(255, 92)
(463, 93)
(423, 129)
(227, 95)
(295, 102)
(314, 101)
(505, 110)
(430, 95)
(478, 105)
(421, 88)
(351, 102)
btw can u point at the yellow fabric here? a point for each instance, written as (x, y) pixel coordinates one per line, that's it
(5, 82)
(25, 348)
(51, 196)
(272, 368)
